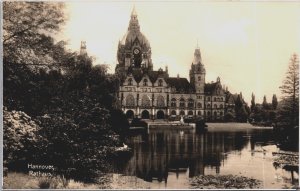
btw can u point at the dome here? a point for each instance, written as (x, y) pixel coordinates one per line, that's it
(131, 36)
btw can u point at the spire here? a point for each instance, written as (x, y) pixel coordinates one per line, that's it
(133, 12)
(134, 22)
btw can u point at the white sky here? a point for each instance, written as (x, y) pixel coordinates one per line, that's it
(247, 44)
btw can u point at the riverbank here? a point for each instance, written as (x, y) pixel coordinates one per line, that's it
(233, 126)
(17, 180)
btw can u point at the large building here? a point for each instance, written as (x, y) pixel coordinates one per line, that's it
(150, 94)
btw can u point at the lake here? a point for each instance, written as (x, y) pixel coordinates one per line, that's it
(167, 158)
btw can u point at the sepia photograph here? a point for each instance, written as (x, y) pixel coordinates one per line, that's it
(133, 95)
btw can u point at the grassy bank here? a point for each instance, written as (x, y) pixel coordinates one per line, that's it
(16, 180)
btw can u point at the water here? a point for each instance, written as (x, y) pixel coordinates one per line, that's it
(168, 158)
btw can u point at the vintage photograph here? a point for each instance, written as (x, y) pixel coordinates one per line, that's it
(150, 94)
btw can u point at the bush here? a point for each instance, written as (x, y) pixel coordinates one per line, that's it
(19, 139)
(229, 117)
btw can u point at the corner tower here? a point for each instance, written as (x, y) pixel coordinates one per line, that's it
(134, 51)
(197, 73)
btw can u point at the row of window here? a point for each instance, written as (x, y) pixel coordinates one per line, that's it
(208, 113)
(215, 99)
(145, 82)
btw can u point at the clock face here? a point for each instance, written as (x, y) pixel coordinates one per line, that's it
(136, 51)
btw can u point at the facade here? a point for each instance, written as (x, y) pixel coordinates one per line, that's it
(150, 94)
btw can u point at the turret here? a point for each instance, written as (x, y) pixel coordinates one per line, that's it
(197, 72)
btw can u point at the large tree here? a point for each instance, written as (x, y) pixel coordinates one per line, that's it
(274, 102)
(289, 107)
(252, 102)
(27, 31)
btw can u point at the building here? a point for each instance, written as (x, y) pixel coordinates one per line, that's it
(150, 94)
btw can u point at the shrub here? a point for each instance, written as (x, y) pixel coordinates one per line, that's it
(19, 139)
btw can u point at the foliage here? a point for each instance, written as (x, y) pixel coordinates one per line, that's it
(229, 117)
(72, 100)
(19, 138)
(274, 102)
(289, 107)
(252, 102)
(26, 29)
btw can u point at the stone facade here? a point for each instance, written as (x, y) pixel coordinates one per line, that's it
(150, 94)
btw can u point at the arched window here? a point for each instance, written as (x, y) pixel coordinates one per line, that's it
(190, 113)
(221, 113)
(199, 78)
(208, 113)
(208, 98)
(215, 99)
(130, 100)
(199, 105)
(145, 82)
(215, 106)
(173, 112)
(160, 82)
(130, 81)
(221, 106)
(160, 101)
(181, 102)
(173, 102)
(199, 113)
(215, 114)
(221, 98)
(145, 101)
(191, 103)
(208, 105)
(181, 112)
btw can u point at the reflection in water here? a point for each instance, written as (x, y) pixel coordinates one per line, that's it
(188, 154)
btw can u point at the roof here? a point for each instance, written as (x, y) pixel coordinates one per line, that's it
(180, 84)
(138, 74)
(209, 88)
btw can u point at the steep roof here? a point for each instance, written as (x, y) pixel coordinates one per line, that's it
(180, 84)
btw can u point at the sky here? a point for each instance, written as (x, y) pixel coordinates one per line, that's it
(247, 44)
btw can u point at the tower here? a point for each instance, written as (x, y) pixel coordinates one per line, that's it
(134, 51)
(197, 73)
(83, 48)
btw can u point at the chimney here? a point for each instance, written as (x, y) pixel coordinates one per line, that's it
(177, 75)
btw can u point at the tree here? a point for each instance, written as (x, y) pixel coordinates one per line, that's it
(26, 31)
(252, 102)
(265, 103)
(289, 109)
(274, 102)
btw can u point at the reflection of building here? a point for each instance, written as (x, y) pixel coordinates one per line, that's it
(147, 93)
(166, 151)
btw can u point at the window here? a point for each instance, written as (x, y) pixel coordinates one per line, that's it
(145, 101)
(130, 100)
(181, 112)
(160, 82)
(199, 113)
(199, 78)
(221, 106)
(215, 114)
(190, 113)
(208, 113)
(191, 103)
(130, 81)
(215, 106)
(215, 99)
(208, 98)
(221, 113)
(160, 101)
(173, 112)
(181, 103)
(199, 105)
(145, 82)
(173, 102)
(208, 106)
